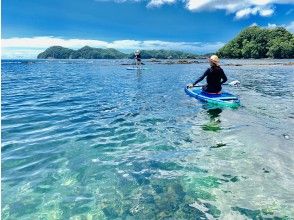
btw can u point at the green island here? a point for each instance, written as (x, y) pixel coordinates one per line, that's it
(256, 42)
(253, 42)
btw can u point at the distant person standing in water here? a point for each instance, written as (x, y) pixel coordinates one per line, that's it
(215, 77)
(138, 58)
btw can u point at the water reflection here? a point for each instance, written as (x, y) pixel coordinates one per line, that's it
(139, 73)
(214, 121)
(214, 113)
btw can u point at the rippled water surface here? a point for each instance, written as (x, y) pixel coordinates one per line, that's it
(91, 140)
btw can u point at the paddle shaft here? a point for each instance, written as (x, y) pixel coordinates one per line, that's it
(225, 84)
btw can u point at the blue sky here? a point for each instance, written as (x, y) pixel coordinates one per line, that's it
(199, 26)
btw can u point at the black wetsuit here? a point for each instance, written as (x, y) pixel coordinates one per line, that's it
(138, 57)
(215, 77)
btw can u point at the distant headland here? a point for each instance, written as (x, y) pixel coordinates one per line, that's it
(253, 42)
(58, 52)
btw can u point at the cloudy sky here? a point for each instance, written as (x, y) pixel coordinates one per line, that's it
(200, 26)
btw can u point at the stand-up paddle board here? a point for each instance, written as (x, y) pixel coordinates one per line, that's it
(136, 68)
(224, 98)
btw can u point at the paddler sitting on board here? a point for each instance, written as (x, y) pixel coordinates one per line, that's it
(138, 58)
(215, 77)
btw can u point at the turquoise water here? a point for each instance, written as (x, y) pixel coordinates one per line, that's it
(88, 139)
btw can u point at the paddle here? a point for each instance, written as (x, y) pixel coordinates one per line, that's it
(233, 83)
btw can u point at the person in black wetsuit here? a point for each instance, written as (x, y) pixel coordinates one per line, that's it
(138, 58)
(215, 77)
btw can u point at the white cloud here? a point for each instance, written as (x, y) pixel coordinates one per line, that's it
(271, 26)
(246, 12)
(158, 3)
(18, 47)
(41, 42)
(241, 8)
(253, 24)
(289, 27)
(243, 13)
(266, 12)
(20, 53)
(197, 5)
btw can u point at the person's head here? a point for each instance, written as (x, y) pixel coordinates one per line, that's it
(214, 60)
(137, 52)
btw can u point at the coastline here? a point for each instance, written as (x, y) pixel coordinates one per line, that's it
(126, 62)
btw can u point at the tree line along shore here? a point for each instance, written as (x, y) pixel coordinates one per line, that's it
(253, 42)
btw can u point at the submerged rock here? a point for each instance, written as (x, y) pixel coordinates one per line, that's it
(218, 145)
(232, 64)
(154, 60)
(187, 61)
(265, 170)
(286, 136)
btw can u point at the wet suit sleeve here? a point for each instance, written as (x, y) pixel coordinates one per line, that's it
(201, 77)
(224, 77)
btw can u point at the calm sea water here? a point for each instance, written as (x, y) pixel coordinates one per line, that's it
(88, 139)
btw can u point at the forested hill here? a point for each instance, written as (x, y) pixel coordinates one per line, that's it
(257, 42)
(165, 54)
(58, 52)
(253, 42)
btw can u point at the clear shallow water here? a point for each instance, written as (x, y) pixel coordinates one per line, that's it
(92, 140)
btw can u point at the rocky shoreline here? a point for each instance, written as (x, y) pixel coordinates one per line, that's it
(186, 61)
